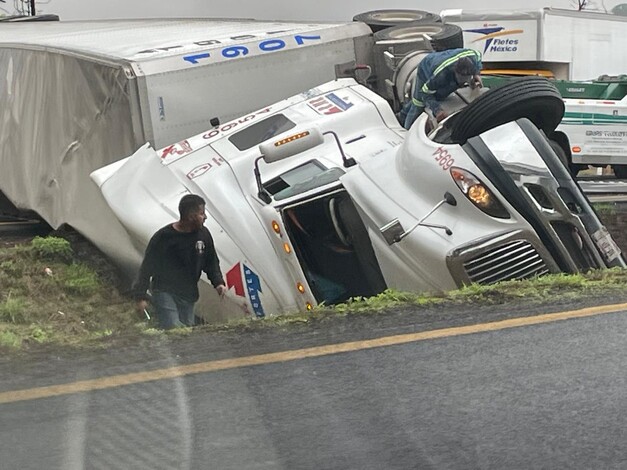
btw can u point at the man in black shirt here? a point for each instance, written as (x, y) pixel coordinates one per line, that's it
(174, 259)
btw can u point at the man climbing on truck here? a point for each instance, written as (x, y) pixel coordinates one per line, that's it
(438, 75)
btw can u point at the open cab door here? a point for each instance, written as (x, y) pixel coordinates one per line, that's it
(325, 229)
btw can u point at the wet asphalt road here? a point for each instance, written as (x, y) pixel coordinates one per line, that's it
(544, 396)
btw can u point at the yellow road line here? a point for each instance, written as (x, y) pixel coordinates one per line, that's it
(293, 355)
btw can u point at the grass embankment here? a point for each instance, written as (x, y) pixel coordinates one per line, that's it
(50, 293)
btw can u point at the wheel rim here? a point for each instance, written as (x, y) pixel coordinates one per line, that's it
(414, 32)
(397, 17)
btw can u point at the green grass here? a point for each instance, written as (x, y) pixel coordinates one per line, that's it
(605, 208)
(13, 309)
(80, 280)
(532, 291)
(10, 340)
(52, 292)
(52, 248)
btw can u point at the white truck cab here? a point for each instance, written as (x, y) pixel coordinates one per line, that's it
(323, 197)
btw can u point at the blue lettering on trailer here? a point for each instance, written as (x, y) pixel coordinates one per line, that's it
(195, 57)
(272, 45)
(300, 40)
(494, 40)
(234, 51)
(269, 45)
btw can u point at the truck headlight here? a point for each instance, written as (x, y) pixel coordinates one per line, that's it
(478, 193)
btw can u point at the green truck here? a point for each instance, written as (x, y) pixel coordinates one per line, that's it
(594, 128)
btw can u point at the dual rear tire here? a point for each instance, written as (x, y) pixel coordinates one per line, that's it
(382, 19)
(421, 29)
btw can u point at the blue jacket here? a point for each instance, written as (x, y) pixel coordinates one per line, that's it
(436, 79)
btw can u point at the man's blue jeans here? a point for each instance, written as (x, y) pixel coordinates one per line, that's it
(172, 311)
(411, 112)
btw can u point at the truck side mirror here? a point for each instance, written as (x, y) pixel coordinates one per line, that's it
(450, 199)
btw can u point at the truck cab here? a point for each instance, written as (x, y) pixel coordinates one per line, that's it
(324, 196)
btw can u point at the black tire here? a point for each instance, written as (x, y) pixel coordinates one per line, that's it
(418, 36)
(561, 140)
(441, 33)
(533, 98)
(452, 37)
(382, 19)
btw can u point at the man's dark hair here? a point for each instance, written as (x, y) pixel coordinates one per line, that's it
(465, 66)
(190, 203)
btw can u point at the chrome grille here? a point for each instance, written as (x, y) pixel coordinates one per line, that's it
(514, 260)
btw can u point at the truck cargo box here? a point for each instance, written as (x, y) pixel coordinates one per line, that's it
(75, 96)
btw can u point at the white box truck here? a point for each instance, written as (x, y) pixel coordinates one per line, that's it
(324, 196)
(574, 45)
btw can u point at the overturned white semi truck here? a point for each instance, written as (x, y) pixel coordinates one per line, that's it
(324, 196)
(75, 97)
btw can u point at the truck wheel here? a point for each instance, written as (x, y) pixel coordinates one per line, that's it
(418, 36)
(405, 74)
(534, 98)
(452, 37)
(620, 171)
(381, 19)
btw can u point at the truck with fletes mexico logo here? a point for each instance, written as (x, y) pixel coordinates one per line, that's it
(582, 50)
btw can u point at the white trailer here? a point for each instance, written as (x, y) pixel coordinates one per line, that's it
(574, 45)
(75, 96)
